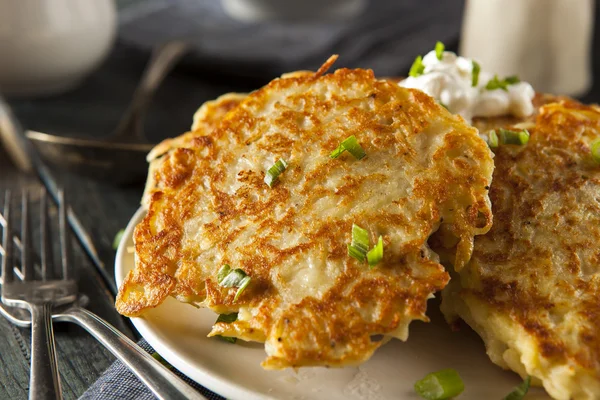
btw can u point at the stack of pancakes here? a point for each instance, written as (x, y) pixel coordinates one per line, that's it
(528, 283)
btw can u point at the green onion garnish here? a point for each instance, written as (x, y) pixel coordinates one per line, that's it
(351, 145)
(595, 147)
(243, 284)
(274, 172)
(417, 68)
(227, 318)
(359, 246)
(228, 339)
(161, 360)
(475, 73)
(492, 139)
(440, 385)
(376, 253)
(496, 83)
(439, 50)
(507, 136)
(228, 278)
(117, 239)
(223, 272)
(354, 252)
(511, 80)
(519, 391)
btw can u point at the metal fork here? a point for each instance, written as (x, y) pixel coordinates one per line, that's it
(162, 382)
(38, 295)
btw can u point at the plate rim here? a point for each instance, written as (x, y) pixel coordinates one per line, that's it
(195, 369)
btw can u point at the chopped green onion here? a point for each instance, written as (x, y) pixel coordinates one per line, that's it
(243, 284)
(376, 253)
(519, 391)
(337, 152)
(274, 172)
(355, 252)
(417, 68)
(360, 243)
(439, 50)
(359, 247)
(161, 360)
(496, 83)
(227, 318)
(513, 137)
(117, 239)
(524, 136)
(351, 145)
(511, 80)
(443, 105)
(595, 147)
(475, 73)
(233, 279)
(492, 139)
(229, 278)
(360, 238)
(227, 338)
(223, 272)
(440, 385)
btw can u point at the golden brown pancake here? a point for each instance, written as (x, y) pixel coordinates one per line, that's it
(532, 287)
(205, 120)
(308, 300)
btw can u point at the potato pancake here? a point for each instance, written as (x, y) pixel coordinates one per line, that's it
(312, 304)
(205, 120)
(532, 287)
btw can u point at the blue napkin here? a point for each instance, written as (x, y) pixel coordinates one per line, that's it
(119, 383)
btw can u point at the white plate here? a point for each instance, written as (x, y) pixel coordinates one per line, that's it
(178, 333)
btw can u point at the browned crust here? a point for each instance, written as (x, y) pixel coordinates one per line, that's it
(301, 118)
(539, 265)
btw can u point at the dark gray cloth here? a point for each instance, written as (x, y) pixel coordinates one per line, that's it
(384, 37)
(118, 383)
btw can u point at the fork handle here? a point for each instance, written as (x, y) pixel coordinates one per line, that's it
(162, 382)
(44, 381)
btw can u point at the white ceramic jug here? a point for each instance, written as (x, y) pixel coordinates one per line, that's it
(48, 46)
(546, 42)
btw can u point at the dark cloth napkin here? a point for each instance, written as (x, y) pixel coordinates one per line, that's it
(119, 383)
(386, 37)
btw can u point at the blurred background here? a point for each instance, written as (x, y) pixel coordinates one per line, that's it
(70, 67)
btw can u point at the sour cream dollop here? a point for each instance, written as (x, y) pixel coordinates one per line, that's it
(449, 81)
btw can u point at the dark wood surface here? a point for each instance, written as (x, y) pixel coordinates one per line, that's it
(81, 358)
(94, 109)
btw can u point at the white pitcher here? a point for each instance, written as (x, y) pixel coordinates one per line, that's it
(545, 42)
(48, 46)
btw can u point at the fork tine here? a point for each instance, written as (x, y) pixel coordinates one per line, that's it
(65, 238)
(26, 250)
(46, 245)
(7, 242)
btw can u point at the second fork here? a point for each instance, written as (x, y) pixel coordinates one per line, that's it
(38, 295)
